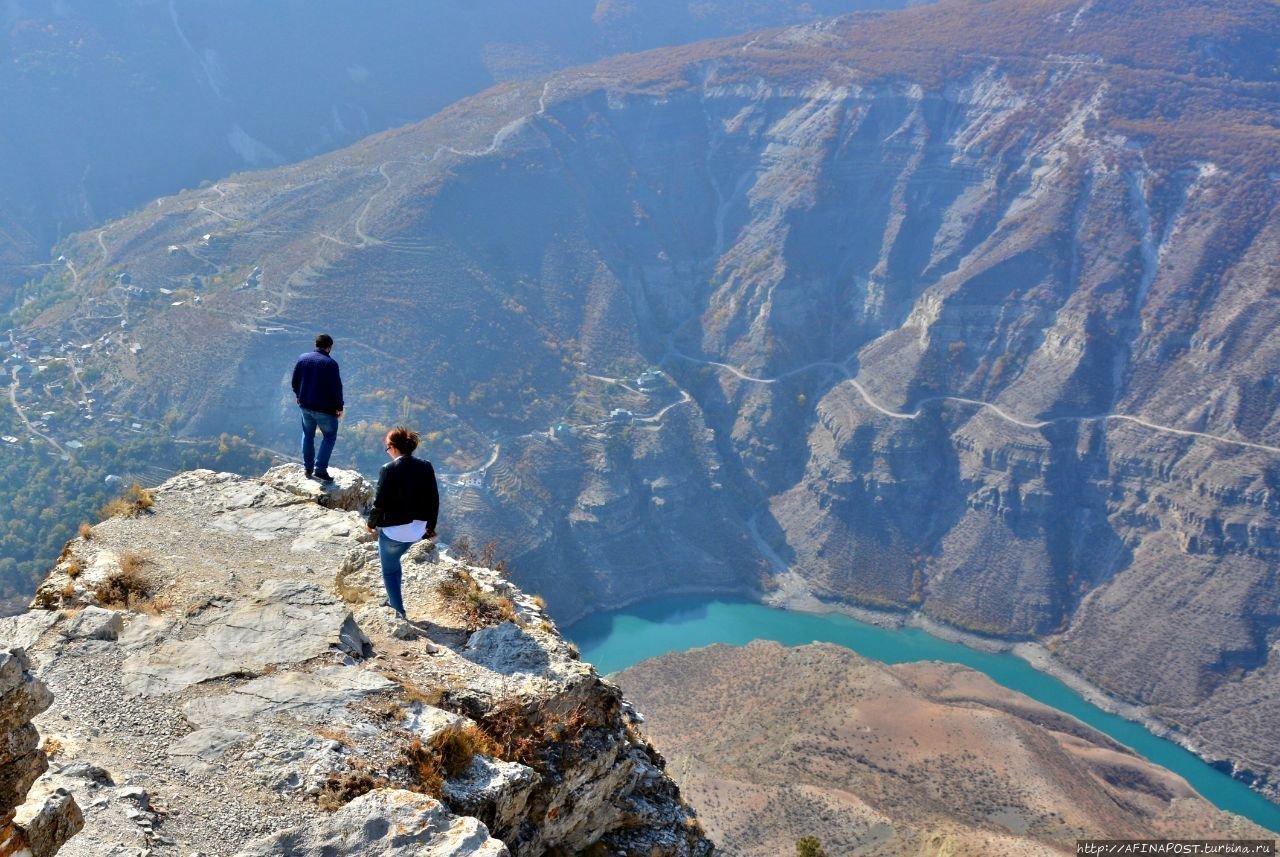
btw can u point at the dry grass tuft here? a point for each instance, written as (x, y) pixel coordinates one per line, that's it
(424, 768)
(446, 755)
(480, 607)
(414, 693)
(453, 588)
(544, 739)
(388, 709)
(341, 788)
(74, 568)
(85, 531)
(132, 562)
(331, 734)
(352, 593)
(132, 503)
(130, 586)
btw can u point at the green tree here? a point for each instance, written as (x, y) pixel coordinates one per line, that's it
(809, 846)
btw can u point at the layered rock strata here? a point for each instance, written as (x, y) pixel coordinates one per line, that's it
(37, 828)
(226, 682)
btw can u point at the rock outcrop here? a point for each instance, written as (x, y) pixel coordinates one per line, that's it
(35, 828)
(226, 682)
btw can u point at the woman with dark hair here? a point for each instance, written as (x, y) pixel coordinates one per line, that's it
(404, 508)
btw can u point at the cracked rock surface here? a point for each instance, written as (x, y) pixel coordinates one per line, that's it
(247, 695)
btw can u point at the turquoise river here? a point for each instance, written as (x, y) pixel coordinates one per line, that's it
(617, 640)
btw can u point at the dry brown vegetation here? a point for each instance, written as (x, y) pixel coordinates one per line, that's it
(331, 734)
(544, 739)
(342, 787)
(480, 607)
(130, 586)
(487, 557)
(85, 531)
(133, 502)
(349, 592)
(445, 756)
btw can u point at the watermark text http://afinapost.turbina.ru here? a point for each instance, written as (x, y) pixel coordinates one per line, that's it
(1250, 847)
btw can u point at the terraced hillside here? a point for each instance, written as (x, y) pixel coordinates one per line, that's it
(962, 309)
(110, 103)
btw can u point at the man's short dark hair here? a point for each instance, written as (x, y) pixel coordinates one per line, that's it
(324, 342)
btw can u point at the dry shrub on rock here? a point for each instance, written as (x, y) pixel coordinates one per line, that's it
(342, 787)
(446, 755)
(481, 607)
(543, 740)
(132, 503)
(130, 586)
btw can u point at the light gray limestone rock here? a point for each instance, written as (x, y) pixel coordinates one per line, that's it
(198, 750)
(316, 696)
(51, 824)
(493, 790)
(381, 619)
(93, 623)
(508, 649)
(36, 827)
(257, 650)
(349, 491)
(287, 760)
(384, 823)
(22, 631)
(427, 721)
(287, 622)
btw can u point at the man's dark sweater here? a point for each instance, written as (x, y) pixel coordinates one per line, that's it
(317, 383)
(407, 492)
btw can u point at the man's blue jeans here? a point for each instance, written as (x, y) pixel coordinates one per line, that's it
(389, 553)
(328, 425)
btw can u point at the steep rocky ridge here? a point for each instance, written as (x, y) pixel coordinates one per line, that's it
(773, 744)
(962, 309)
(224, 677)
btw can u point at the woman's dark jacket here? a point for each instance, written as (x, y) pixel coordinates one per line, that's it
(407, 492)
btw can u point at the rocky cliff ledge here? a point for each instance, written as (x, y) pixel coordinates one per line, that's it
(226, 682)
(44, 825)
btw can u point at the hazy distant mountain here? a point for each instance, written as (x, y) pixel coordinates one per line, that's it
(109, 103)
(965, 309)
(771, 744)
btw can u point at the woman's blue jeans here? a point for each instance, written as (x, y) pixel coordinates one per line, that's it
(389, 553)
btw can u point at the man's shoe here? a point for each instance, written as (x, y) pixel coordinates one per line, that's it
(309, 472)
(323, 476)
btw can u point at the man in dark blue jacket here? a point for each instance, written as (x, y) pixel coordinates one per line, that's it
(317, 386)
